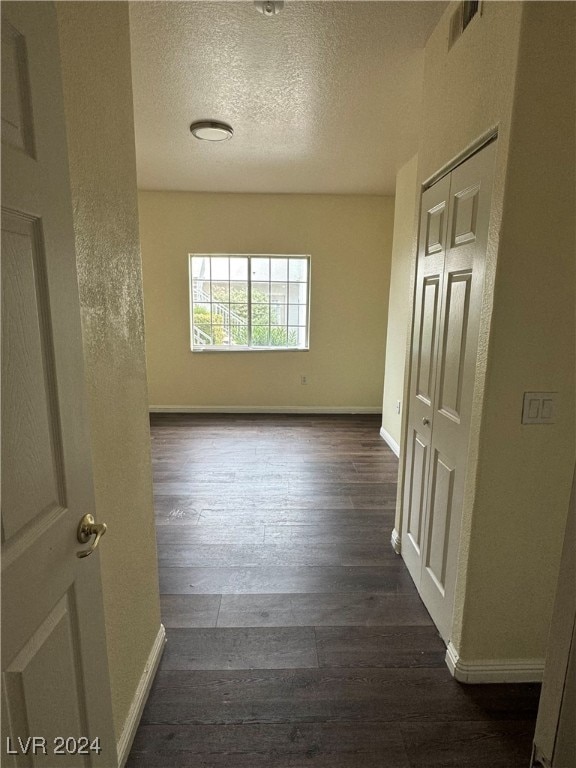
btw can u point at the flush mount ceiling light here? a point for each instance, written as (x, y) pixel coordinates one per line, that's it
(269, 7)
(211, 130)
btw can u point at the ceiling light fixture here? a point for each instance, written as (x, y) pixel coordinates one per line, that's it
(211, 130)
(269, 7)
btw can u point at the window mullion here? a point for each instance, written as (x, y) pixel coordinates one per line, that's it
(269, 303)
(249, 301)
(266, 305)
(211, 305)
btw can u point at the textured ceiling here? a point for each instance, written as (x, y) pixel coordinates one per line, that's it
(323, 98)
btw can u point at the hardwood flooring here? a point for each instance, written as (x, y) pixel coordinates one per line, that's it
(295, 634)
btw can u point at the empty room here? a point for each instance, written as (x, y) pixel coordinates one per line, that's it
(288, 384)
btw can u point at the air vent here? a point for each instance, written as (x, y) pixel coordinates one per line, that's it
(461, 17)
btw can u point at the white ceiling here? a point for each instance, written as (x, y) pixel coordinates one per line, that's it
(323, 98)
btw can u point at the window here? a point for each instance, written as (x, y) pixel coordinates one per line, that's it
(249, 302)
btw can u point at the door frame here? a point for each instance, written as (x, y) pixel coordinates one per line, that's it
(561, 650)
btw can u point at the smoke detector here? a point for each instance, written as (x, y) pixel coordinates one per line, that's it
(269, 7)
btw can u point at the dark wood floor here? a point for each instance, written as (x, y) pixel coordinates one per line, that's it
(295, 635)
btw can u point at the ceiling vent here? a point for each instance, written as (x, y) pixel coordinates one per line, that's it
(461, 18)
(269, 7)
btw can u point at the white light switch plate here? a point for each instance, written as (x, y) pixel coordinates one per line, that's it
(539, 408)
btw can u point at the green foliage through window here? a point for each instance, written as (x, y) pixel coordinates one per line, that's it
(249, 302)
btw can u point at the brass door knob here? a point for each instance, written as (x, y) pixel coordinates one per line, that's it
(86, 529)
(426, 421)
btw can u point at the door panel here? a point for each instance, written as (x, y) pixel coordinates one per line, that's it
(465, 216)
(435, 228)
(427, 339)
(33, 481)
(54, 659)
(441, 498)
(453, 349)
(433, 223)
(449, 285)
(17, 124)
(417, 482)
(34, 670)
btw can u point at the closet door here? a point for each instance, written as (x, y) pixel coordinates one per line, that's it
(462, 289)
(449, 286)
(430, 272)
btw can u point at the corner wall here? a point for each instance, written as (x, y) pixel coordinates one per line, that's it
(525, 471)
(404, 248)
(349, 239)
(468, 90)
(95, 50)
(513, 69)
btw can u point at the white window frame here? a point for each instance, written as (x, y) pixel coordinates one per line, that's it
(249, 348)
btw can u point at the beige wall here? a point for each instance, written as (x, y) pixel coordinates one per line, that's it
(468, 89)
(457, 113)
(349, 240)
(513, 68)
(525, 472)
(95, 51)
(403, 254)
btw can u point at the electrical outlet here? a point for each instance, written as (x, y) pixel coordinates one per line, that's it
(303, 379)
(398, 406)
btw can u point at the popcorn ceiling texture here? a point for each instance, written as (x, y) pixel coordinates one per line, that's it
(323, 98)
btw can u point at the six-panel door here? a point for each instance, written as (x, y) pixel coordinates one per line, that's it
(54, 663)
(449, 289)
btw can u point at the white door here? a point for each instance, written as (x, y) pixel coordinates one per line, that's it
(452, 249)
(55, 683)
(555, 737)
(429, 278)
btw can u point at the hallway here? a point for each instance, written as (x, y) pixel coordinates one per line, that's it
(295, 634)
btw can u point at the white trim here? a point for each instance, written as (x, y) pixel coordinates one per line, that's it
(539, 759)
(140, 697)
(472, 149)
(396, 542)
(494, 670)
(387, 437)
(264, 409)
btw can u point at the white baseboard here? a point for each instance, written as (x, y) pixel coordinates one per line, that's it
(140, 697)
(311, 409)
(396, 542)
(387, 437)
(494, 670)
